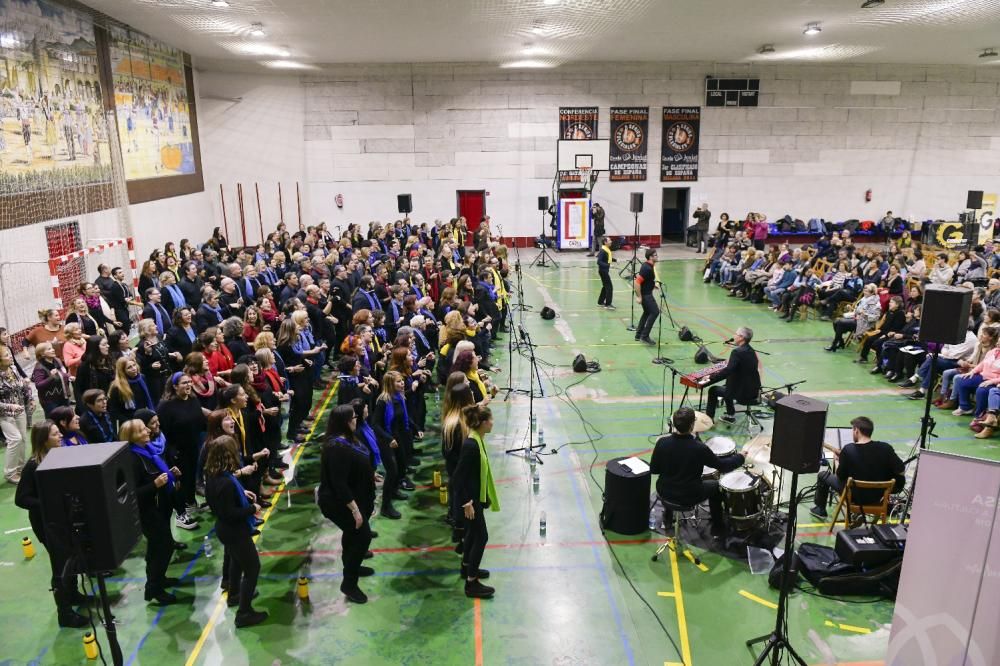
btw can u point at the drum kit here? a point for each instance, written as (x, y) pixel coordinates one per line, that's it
(747, 494)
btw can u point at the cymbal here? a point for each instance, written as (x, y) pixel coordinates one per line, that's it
(702, 422)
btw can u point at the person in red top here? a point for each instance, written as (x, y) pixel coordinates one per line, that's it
(220, 360)
(253, 324)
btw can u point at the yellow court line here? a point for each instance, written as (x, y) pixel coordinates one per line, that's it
(762, 602)
(679, 601)
(847, 627)
(666, 594)
(220, 606)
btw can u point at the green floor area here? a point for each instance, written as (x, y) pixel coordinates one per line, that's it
(563, 597)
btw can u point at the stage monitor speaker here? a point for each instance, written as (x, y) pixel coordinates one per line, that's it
(704, 355)
(945, 314)
(974, 199)
(543, 203)
(799, 425)
(88, 502)
(405, 203)
(580, 363)
(636, 203)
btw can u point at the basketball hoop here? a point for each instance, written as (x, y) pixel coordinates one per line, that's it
(583, 173)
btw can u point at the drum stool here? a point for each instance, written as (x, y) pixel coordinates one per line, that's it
(676, 541)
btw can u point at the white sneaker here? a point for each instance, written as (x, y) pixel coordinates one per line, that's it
(962, 412)
(185, 522)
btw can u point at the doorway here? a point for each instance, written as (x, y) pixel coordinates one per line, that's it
(471, 205)
(675, 214)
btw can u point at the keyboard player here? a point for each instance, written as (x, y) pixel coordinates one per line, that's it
(742, 375)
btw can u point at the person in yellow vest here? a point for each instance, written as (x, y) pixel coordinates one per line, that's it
(604, 260)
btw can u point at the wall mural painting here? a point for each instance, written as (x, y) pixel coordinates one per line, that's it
(51, 122)
(151, 102)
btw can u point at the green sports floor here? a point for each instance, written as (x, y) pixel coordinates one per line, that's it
(565, 597)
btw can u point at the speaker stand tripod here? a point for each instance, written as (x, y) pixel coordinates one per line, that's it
(529, 451)
(629, 270)
(544, 259)
(777, 641)
(927, 424)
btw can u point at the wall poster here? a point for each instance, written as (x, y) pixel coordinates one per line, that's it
(629, 143)
(679, 156)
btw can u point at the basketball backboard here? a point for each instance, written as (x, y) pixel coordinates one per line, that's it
(575, 155)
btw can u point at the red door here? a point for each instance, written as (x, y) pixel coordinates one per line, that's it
(472, 205)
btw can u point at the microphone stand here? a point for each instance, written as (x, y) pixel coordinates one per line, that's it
(529, 450)
(927, 424)
(544, 259)
(631, 268)
(662, 360)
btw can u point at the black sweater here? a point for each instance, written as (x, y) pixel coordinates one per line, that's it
(466, 479)
(679, 460)
(231, 523)
(27, 497)
(346, 475)
(182, 423)
(154, 503)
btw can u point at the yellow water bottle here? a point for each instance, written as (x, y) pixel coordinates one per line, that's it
(437, 478)
(303, 588)
(90, 645)
(443, 495)
(28, 548)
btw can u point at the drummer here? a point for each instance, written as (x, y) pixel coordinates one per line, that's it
(679, 459)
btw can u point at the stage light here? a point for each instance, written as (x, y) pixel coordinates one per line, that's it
(550, 2)
(868, 4)
(765, 49)
(812, 29)
(220, 3)
(257, 30)
(988, 53)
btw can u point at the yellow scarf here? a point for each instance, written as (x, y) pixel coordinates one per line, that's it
(238, 418)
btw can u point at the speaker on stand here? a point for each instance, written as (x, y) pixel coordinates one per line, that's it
(974, 199)
(404, 202)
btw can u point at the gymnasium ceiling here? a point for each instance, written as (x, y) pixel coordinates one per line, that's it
(552, 32)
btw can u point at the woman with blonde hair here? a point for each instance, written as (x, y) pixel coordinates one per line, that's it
(394, 431)
(154, 487)
(475, 491)
(50, 378)
(128, 392)
(73, 348)
(49, 329)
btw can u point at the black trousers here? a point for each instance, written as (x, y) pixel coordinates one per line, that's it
(355, 544)
(710, 491)
(244, 568)
(714, 393)
(607, 289)
(159, 550)
(475, 539)
(391, 483)
(650, 311)
(842, 327)
(825, 482)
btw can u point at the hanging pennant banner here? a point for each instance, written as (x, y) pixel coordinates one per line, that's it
(629, 134)
(576, 123)
(679, 157)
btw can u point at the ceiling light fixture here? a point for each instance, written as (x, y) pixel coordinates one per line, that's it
(287, 64)
(812, 29)
(527, 64)
(868, 4)
(988, 53)
(550, 2)
(220, 3)
(765, 49)
(257, 30)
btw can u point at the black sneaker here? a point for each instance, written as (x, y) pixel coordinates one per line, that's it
(365, 571)
(406, 484)
(909, 383)
(916, 395)
(476, 590)
(354, 594)
(391, 513)
(647, 341)
(728, 418)
(818, 512)
(70, 619)
(250, 618)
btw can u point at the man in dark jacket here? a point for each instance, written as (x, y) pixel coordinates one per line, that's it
(742, 377)
(699, 230)
(191, 285)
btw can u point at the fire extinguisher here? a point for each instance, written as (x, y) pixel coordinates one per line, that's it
(868, 195)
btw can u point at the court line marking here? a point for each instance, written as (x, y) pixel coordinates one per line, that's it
(449, 548)
(477, 614)
(847, 627)
(762, 602)
(679, 603)
(220, 605)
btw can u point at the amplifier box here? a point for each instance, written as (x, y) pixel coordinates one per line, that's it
(860, 547)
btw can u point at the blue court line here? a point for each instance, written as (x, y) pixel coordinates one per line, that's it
(602, 568)
(159, 614)
(451, 571)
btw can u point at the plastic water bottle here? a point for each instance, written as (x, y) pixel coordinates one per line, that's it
(207, 548)
(534, 422)
(535, 478)
(652, 521)
(541, 524)
(541, 436)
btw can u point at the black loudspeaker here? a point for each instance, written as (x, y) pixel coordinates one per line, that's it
(636, 203)
(797, 442)
(543, 203)
(580, 363)
(547, 313)
(945, 314)
(88, 502)
(405, 203)
(703, 355)
(974, 199)
(685, 334)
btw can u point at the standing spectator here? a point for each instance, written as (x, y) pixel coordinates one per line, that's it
(16, 405)
(474, 493)
(50, 377)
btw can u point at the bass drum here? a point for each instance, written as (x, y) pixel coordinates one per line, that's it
(744, 496)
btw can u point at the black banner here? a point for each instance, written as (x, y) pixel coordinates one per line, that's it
(679, 157)
(576, 123)
(629, 147)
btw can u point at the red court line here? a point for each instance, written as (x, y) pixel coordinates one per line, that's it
(813, 534)
(438, 549)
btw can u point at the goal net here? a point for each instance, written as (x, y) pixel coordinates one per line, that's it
(63, 210)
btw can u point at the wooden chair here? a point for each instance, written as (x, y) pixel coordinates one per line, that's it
(846, 502)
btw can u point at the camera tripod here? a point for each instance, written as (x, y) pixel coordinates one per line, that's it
(544, 259)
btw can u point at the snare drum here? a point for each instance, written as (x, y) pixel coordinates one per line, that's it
(709, 474)
(721, 446)
(743, 494)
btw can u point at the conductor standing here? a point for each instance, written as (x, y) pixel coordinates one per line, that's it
(644, 283)
(742, 377)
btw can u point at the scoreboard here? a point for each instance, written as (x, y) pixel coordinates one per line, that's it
(731, 92)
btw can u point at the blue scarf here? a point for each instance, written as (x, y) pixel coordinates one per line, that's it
(417, 293)
(369, 435)
(140, 382)
(217, 310)
(395, 312)
(190, 332)
(353, 444)
(143, 452)
(429, 315)
(242, 499)
(372, 301)
(177, 295)
(423, 338)
(74, 439)
(158, 445)
(109, 435)
(390, 412)
(158, 317)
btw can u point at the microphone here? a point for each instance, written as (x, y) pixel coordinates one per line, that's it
(729, 341)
